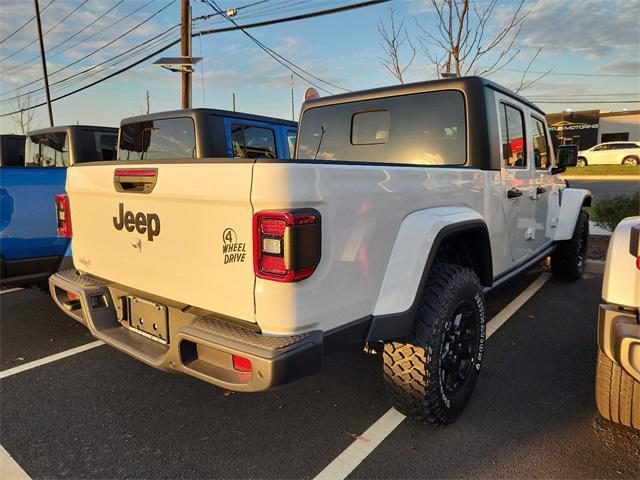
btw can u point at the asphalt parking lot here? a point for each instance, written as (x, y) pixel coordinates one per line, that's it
(100, 414)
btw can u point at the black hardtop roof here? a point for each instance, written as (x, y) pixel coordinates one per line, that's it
(65, 128)
(462, 83)
(11, 135)
(197, 112)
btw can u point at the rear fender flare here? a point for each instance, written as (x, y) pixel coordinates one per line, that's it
(412, 255)
(572, 201)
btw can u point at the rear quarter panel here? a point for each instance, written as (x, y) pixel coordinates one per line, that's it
(28, 215)
(362, 208)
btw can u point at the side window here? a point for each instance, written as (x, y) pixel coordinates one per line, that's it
(514, 152)
(292, 136)
(105, 145)
(253, 142)
(540, 146)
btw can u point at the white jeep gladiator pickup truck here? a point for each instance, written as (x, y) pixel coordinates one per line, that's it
(402, 206)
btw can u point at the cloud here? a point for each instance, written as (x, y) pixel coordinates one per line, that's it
(416, 7)
(621, 66)
(594, 28)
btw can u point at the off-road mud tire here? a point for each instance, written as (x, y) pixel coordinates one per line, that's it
(413, 366)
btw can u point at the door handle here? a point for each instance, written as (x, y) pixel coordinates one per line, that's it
(540, 190)
(513, 193)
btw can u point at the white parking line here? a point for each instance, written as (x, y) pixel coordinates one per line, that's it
(49, 359)
(9, 468)
(354, 454)
(9, 290)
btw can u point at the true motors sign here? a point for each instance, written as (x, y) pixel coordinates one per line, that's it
(578, 128)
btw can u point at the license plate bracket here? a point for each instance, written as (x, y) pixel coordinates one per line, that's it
(149, 319)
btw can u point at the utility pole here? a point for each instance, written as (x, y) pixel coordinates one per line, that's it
(233, 101)
(185, 31)
(44, 63)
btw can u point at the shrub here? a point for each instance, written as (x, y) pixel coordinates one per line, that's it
(608, 212)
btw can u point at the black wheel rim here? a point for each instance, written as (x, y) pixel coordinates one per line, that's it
(459, 347)
(582, 248)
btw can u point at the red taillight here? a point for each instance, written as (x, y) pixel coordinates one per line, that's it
(286, 245)
(63, 216)
(638, 263)
(242, 364)
(136, 172)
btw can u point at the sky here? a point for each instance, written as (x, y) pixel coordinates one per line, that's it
(590, 47)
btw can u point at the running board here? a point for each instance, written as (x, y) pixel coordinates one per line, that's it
(520, 269)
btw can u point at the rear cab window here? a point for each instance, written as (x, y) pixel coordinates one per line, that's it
(47, 150)
(170, 138)
(417, 129)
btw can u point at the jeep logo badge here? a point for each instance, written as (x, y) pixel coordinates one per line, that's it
(143, 223)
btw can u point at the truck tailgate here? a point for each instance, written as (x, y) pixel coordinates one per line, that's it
(188, 239)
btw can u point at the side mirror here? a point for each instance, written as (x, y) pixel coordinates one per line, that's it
(566, 156)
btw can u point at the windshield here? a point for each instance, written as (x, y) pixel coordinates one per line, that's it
(158, 139)
(47, 150)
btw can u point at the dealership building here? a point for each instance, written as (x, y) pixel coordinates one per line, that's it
(589, 127)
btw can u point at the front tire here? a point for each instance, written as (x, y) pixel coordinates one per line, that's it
(431, 375)
(617, 393)
(570, 257)
(582, 162)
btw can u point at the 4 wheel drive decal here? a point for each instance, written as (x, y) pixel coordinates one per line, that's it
(148, 223)
(233, 251)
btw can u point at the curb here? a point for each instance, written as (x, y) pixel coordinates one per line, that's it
(602, 177)
(594, 266)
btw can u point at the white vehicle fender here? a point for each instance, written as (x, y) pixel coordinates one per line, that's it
(571, 202)
(418, 237)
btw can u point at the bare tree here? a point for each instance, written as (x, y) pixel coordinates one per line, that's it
(394, 37)
(524, 83)
(145, 106)
(25, 118)
(469, 37)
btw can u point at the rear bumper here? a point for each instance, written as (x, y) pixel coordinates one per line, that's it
(619, 338)
(16, 273)
(199, 345)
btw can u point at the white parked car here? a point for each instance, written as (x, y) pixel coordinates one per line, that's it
(618, 371)
(401, 208)
(610, 153)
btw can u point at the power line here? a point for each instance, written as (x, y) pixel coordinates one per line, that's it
(102, 47)
(573, 74)
(25, 24)
(584, 95)
(45, 33)
(592, 101)
(241, 7)
(71, 37)
(94, 66)
(277, 57)
(80, 76)
(209, 32)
